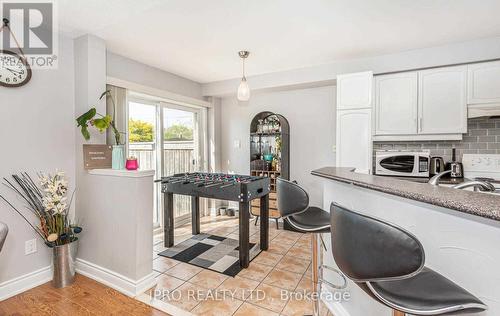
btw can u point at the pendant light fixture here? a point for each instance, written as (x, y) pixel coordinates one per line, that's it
(243, 89)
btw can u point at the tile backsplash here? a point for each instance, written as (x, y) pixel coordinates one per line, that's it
(483, 137)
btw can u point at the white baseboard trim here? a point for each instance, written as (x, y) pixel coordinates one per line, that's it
(115, 280)
(335, 308)
(25, 282)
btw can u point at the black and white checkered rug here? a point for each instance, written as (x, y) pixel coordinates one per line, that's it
(211, 252)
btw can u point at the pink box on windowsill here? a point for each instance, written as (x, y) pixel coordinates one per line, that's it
(132, 164)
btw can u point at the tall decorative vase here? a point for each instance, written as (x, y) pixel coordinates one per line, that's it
(118, 157)
(4, 230)
(64, 258)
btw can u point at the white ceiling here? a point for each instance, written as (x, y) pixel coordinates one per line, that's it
(199, 39)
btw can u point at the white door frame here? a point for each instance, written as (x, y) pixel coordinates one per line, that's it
(201, 134)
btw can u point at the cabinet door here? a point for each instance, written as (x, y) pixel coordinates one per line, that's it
(354, 91)
(483, 83)
(442, 104)
(396, 104)
(354, 141)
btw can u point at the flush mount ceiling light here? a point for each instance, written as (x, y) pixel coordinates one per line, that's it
(243, 89)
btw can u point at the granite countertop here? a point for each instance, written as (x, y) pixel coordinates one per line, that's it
(442, 180)
(475, 203)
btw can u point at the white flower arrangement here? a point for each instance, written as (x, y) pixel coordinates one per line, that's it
(55, 188)
(48, 201)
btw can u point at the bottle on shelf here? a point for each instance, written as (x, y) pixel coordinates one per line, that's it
(260, 126)
(275, 125)
(265, 127)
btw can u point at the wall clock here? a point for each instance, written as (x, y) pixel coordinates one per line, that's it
(14, 70)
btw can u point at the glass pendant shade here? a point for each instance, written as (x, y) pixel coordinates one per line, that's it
(244, 90)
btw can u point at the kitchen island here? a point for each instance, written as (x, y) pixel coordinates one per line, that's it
(460, 231)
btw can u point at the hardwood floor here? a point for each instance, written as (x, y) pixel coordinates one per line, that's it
(84, 297)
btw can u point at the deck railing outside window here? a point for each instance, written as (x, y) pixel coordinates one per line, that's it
(178, 157)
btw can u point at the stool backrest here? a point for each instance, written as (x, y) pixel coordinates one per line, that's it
(368, 249)
(292, 199)
(3, 234)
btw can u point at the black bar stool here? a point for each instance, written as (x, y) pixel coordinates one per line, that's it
(293, 205)
(387, 262)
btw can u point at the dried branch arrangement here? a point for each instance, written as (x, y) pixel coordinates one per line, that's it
(47, 201)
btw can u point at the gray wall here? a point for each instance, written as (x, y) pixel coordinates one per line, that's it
(37, 128)
(483, 137)
(130, 70)
(448, 54)
(214, 135)
(311, 114)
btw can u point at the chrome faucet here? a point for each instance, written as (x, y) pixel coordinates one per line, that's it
(481, 185)
(435, 180)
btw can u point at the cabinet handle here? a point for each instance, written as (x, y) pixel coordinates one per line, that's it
(420, 124)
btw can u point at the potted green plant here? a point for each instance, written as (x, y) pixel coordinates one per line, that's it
(48, 202)
(102, 123)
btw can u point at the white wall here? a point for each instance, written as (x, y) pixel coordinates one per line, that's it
(119, 233)
(123, 68)
(466, 52)
(214, 135)
(39, 133)
(37, 128)
(311, 114)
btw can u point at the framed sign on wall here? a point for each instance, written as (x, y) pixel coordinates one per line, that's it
(97, 156)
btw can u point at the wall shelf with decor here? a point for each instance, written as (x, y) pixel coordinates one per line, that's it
(269, 155)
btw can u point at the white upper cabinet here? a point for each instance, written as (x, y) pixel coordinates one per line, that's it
(354, 121)
(354, 91)
(421, 105)
(354, 141)
(484, 83)
(396, 104)
(442, 101)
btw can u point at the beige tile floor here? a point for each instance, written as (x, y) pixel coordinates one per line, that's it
(284, 269)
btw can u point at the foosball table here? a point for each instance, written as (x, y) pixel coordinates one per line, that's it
(240, 188)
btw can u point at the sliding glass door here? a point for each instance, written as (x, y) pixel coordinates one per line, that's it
(168, 138)
(143, 142)
(181, 150)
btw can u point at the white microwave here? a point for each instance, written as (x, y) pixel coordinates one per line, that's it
(402, 163)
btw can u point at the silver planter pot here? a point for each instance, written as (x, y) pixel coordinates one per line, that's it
(64, 258)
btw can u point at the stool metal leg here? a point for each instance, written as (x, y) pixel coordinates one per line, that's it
(317, 272)
(317, 258)
(256, 220)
